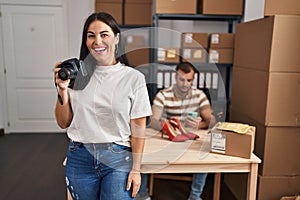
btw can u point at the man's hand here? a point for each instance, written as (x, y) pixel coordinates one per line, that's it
(192, 122)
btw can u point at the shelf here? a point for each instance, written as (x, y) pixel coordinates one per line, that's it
(134, 26)
(197, 17)
(201, 66)
(220, 102)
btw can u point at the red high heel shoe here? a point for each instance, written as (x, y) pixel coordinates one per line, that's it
(171, 132)
(176, 123)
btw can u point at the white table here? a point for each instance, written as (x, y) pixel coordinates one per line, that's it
(193, 156)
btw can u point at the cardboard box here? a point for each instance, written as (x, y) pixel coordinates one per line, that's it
(279, 7)
(277, 147)
(138, 12)
(220, 7)
(194, 40)
(109, 1)
(168, 55)
(113, 8)
(222, 56)
(233, 144)
(175, 6)
(137, 50)
(221, 40)
(194, 55)
(268, 187)
(269, 44)
(272, 99)
(136, 40)
(274, 187)
(137, 56)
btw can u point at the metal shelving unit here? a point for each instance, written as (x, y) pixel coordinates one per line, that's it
(231, 20)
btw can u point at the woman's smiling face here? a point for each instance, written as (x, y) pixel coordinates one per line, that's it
(101, 42)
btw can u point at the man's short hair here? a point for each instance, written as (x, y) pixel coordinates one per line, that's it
(186, 67)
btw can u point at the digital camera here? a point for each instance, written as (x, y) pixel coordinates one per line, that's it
(69, 70)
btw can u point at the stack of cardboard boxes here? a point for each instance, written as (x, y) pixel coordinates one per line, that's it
(175, 6)
(194, 47)
(113, 7)
(137, 50)
(127, 12)
(139, 13)
(266, 94)
(221, 48)
(206, 7)
(217, 7)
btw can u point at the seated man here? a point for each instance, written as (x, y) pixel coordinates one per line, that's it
(177, 101)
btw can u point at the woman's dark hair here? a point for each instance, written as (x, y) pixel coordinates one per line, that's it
(88, 60)
(111, 22)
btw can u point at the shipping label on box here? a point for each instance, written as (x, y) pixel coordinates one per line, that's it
(223, 56)
(218, 142)
(213, 56)
(233, 144)
(194, 39)
(222, 40)
(194, 55)
(168, 55)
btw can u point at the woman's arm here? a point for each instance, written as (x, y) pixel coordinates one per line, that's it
(138, 128)
(63, 113)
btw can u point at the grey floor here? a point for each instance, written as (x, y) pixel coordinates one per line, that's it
(31, 169)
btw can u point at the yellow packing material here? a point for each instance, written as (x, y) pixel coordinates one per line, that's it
(235, 127)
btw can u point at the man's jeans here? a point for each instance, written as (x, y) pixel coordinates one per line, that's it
(198, 184)
(98, 171)
(144, 184)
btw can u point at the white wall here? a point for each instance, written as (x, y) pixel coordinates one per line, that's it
(77, 12)
(254, 9)
(2, 82)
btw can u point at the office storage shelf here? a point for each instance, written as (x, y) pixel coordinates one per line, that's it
(197, 17)
(199, 66)
(224, 70)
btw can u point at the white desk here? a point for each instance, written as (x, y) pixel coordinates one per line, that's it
(164, 156)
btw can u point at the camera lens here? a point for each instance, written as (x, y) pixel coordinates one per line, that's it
(63, 74)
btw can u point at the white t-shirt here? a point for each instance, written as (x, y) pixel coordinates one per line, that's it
(103, 109)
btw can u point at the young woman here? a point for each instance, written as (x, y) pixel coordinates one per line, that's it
(105, 116)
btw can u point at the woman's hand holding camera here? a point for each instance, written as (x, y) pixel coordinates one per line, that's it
(62, 85)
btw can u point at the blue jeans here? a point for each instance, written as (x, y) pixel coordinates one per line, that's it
(144, 185)
(197, 186)
(98, 171)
